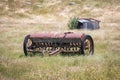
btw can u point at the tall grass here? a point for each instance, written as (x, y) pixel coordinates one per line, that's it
(95, 67)
(73, 22)
(103, 65)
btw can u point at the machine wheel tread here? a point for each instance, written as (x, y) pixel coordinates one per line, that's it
(84, 44)
(25, 44)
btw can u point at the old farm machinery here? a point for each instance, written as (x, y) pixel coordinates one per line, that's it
(58, 43)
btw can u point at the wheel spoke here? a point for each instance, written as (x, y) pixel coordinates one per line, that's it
(87, 45)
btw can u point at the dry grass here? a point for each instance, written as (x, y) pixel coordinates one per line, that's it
(103, 65)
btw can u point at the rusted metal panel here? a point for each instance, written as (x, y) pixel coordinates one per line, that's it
(88, 23)
(52, 35)
(54, 43)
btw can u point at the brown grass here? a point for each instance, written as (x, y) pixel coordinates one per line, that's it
(103, 65)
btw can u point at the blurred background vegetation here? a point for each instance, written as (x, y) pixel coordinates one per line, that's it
(42, 6)
(21, 17)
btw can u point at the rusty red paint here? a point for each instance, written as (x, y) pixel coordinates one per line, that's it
(59, 35)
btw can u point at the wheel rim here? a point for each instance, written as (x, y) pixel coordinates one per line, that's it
(28, 45)
(88, 47)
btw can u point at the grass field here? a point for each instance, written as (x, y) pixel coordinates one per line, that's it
(103, 65)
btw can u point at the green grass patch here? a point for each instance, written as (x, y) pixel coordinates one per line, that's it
(73, 22)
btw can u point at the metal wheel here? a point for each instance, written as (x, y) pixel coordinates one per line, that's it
(26, 45)
(87, 45)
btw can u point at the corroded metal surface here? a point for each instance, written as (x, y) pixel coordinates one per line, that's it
(54, 43)
(52, 35)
